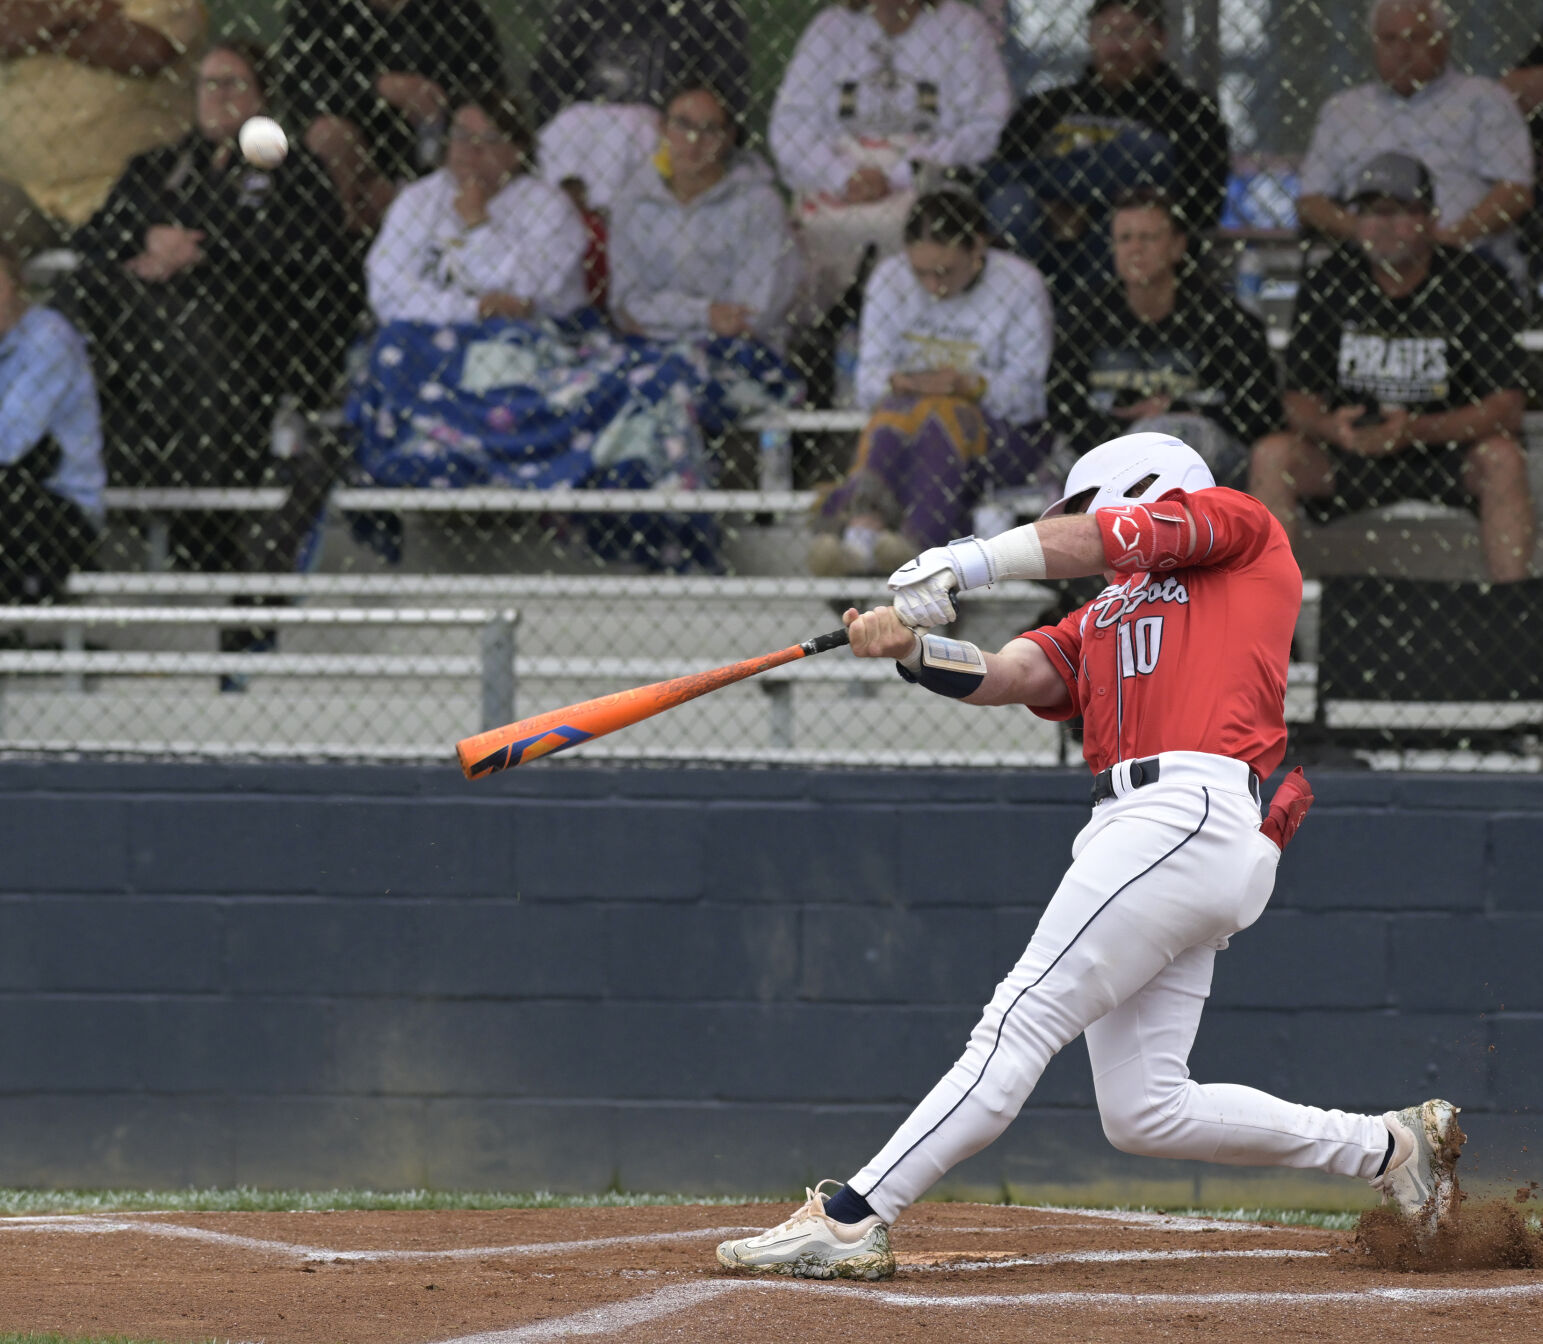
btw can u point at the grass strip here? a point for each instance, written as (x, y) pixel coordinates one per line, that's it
(73, 1339)
(249, 1199)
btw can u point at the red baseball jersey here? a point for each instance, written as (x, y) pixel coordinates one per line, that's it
(1190, 658)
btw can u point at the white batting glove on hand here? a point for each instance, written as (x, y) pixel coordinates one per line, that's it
(924, 587)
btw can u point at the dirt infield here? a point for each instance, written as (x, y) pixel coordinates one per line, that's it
(967, 1271)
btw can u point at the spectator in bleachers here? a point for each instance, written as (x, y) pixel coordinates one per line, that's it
(1465, 128)
(84, 86)
(599, 146)
(212, 289)
(1163, 349)
(604, 71)
(1130, 121)
(51, 471)
(608, 53)
(955, 346)
(1525, 83)
(481, 237)
(881, 101)
(638, 52)
(373, 82)
(700, 244)
(1403, 377)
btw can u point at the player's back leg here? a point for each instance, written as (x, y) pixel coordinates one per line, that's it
(1150, 1105)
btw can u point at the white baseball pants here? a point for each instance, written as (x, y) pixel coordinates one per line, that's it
(1161, 877)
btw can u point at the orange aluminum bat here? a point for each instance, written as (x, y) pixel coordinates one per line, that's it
(558, 729)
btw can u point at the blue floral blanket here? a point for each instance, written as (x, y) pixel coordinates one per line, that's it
(544, 404)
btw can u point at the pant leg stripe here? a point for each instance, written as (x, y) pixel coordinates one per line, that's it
(996, 1044)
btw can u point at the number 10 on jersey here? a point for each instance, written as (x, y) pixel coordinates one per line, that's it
(1141, 641)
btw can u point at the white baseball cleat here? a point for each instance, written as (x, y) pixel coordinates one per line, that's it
(812, 1245)
(1421, 1175)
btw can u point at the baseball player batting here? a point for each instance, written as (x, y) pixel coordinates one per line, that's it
(1178, 669)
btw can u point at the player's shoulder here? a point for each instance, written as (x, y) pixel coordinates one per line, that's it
(1218, 509)
(1223, 499)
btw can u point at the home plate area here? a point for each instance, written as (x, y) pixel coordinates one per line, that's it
(966, 1271)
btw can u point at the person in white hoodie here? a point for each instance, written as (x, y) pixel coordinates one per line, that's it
(481, 237)
(952, 362)
(881, 100)
(700, 245)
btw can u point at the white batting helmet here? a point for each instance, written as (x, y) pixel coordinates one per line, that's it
(1134, 467)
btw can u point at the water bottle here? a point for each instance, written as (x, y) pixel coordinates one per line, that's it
(430, 148)
(286, 435)
(776, 459)
(1249, 280)
(845, 393)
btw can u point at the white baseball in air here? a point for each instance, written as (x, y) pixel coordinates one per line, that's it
(263, 142)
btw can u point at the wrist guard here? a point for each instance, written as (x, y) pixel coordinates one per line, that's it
(951, 667)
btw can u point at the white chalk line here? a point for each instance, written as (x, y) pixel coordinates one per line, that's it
(90, 1224)
(1108, 1258)
(96, 1225)
(618, 1316)
(611, 1320)
(1169, 1222)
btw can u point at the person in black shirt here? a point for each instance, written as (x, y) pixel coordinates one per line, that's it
(1403, 377)
(1130, 121)
(373, 82)
(1162, 349)
(639, 52)
(211, 289)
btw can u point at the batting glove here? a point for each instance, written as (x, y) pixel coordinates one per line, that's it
(924, 587)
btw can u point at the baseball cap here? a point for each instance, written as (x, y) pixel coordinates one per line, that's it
(1399, 177)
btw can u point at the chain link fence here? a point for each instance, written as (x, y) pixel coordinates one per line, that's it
(572, 347)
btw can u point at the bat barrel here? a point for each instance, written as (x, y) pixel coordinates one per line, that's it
(558, 729)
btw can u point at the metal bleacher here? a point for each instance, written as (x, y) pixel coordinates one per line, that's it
(139, 672)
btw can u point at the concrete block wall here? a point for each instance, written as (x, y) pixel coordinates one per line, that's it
(709, 981)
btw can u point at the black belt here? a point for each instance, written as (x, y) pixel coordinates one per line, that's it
(1143, 773)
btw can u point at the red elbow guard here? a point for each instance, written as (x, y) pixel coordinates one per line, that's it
(1143, 537)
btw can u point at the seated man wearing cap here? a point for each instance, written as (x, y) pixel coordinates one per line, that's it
(1403, 378)
(1466, 128)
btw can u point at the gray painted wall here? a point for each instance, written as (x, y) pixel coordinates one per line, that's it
(707, 981)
